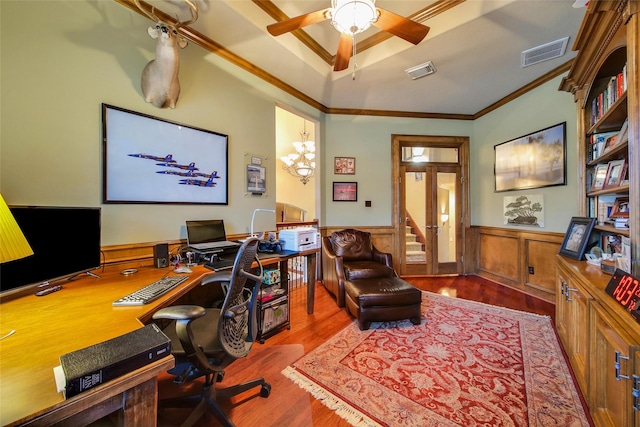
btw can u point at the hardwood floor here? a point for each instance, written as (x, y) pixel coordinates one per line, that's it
(288, 404)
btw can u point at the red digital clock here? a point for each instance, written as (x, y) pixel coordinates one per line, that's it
(625, 289)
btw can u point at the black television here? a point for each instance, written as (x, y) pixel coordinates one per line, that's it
(65, 242)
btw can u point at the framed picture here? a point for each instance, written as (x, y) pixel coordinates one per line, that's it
(344, 165)
(256, 179)
(345, 191)
(152, 160)
(620, 208)
(532, 161)
(577, 236)
(615, 173)
(599, 176)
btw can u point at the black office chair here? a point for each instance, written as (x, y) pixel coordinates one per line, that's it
(206, 341)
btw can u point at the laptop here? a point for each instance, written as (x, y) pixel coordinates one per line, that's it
(208, 236)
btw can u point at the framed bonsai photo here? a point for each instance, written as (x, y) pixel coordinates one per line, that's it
(615, 173)
(577, 237)
(345, 191)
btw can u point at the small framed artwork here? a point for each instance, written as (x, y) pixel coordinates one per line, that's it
(256, 179)
(615, 173)
(577, 236)
(345, 191)
(344, 165)
(620, 208)
(599, 175)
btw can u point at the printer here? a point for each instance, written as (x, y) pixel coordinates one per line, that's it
(299, 238)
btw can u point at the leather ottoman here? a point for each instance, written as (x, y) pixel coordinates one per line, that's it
(381, 300)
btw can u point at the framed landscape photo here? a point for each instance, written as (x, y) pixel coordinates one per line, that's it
(577, 237)
(345, 191)
(615, 173)
(532, 161)
(151, 160)
(344, 165)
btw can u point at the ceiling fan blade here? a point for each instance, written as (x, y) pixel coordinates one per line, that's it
(298, 22)
(345, 48)
(405, 28)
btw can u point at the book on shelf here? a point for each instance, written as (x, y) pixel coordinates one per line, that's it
(598, 142)
(614, 89)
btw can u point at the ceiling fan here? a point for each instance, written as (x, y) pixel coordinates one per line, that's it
(351, 17)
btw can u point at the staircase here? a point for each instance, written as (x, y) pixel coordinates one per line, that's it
(414, 251)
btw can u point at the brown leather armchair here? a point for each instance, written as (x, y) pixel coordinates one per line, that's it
(348, 255)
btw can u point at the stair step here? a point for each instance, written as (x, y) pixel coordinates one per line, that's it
(411, 238)
(414, 246)
(415, 257)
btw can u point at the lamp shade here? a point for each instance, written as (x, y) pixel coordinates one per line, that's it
(13, 244)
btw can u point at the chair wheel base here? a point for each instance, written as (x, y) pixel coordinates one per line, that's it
(265, 390)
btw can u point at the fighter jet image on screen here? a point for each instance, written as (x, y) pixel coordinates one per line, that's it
(198, 182)
(190, 167)
(166, 159)
(212, 175)
(189, 173)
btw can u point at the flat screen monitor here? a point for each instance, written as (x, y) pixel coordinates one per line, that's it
(65, 242)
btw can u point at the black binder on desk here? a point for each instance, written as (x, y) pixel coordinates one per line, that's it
(88, 367)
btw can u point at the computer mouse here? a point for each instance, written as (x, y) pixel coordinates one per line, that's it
(183, 269)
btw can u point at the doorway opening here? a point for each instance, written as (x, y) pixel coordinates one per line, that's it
(431, 203)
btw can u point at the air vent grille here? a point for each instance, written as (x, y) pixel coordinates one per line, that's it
(421, 70)
(544, 52)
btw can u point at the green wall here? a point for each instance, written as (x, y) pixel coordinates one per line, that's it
(61, 59)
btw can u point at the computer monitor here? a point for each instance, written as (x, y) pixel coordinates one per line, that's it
(65, 242)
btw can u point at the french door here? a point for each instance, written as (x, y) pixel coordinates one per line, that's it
(431, 201)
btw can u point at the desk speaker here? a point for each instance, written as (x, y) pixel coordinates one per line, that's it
(161, 255)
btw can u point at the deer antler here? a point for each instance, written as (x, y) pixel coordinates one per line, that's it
(150, 15)
(193, 9)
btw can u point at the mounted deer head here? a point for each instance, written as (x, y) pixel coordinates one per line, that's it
(160, 84)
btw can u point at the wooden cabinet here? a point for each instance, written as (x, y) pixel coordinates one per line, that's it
(602, 342)
(612, 370)
(604, 81)
(572, 308)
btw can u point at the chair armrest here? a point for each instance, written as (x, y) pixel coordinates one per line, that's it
(332, 271)
(221, 276)
(382, 257)
(180, 312)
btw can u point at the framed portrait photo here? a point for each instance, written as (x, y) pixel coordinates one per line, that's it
(620, 208)
(577, 237)
(345, 191)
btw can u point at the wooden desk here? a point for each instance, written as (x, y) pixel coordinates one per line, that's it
(79, 315)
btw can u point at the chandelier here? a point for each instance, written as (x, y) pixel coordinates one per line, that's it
(300, 164)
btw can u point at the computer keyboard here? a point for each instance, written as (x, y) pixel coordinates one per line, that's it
(151, 292)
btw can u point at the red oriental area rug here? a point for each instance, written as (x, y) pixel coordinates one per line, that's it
(468, 364)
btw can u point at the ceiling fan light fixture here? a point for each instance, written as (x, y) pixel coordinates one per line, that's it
(353, 16)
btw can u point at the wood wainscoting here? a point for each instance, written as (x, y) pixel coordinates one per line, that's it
(522, 259)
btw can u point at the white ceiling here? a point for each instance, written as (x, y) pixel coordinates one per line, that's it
(474, 46)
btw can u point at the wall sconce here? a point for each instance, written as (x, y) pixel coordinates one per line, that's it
(444, 217)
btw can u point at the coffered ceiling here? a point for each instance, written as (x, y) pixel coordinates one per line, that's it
(474, 45)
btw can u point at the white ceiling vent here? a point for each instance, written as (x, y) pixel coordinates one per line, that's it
(544, 52)
(421, 70)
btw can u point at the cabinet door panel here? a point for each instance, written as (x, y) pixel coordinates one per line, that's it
(609, 393)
